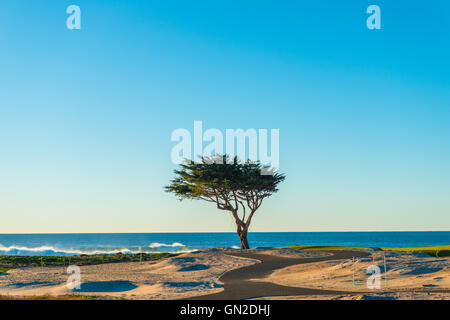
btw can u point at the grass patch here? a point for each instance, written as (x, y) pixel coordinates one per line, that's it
(312, 247)
(434, 251)
(11, 262)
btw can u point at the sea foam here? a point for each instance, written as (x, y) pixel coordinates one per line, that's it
(55, 251)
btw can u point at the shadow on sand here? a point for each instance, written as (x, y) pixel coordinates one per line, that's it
(106, 286)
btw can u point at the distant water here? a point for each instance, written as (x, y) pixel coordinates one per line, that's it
(75, 244)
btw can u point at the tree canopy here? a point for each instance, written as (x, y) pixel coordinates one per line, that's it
(234, 186)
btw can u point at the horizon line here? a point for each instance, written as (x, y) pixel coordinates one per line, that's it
(231, 232)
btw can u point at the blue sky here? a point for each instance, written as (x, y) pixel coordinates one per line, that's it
(86, 115)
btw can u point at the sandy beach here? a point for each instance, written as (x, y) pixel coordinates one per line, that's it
(405, 270)
(410, 276)
(186, 275)
(179, 277)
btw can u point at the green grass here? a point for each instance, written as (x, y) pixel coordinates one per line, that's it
(312, 247)
(434, 251)
(11, 262)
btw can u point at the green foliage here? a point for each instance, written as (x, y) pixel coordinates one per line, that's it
(10, 262)
(222, 180)
(434, 251)
(230, 184)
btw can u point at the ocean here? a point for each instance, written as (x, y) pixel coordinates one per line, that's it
(76, 244)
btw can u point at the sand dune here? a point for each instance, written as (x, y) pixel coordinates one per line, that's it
(197, 273)
(182, 276)
(405, 272)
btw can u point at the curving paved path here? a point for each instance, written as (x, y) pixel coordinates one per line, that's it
(237, 284)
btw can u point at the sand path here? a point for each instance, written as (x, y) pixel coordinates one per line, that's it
(250, 282)
(241, 284)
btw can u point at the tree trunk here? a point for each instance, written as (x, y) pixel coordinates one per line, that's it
(242, 233)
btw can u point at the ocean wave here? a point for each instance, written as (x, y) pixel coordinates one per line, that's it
(55, 251)
(158, 245)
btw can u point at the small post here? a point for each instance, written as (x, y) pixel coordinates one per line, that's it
(140, 255)
(353, 270)
(385, 272)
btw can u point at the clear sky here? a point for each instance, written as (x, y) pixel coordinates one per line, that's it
(86, 115)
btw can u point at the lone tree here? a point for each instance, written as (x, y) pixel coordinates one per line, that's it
(232, 185)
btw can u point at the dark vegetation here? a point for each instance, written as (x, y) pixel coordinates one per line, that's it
(434, 251)
(11, 262)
